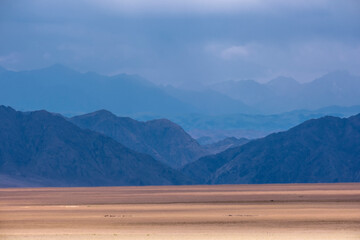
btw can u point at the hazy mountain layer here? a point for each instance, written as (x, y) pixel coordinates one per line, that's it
(209, 101)
(66, 91)
(63, 90)
(218, 127)
(285, 94)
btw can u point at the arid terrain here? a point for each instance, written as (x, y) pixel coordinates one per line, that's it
(292, 211)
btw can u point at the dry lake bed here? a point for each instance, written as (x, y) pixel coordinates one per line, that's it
(275, 211)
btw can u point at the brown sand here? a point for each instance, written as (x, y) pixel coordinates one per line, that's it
(293, 211)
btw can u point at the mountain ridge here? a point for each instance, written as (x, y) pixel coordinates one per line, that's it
(46, 148)
(160, 138)
(286, 94)
(319, 150)
(122, 94)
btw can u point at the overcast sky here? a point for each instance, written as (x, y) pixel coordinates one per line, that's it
(184, 42)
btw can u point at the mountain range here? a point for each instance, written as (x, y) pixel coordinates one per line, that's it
(215, 128)
(319, 150)
(44, 149)
(66, 91)
(284, 94)
(161, 138)
(61, 89)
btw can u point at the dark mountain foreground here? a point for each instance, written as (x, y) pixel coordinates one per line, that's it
(43, 149)
(321, 150)
(161, 138)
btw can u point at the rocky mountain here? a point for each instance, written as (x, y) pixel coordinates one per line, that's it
(44, 149)
(321, 150)
(161, 138)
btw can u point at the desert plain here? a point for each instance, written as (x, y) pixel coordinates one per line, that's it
(271, 211)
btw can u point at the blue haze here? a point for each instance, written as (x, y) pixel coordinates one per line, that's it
(184, 43)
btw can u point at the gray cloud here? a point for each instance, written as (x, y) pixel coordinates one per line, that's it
(183, 42)
(205, 6)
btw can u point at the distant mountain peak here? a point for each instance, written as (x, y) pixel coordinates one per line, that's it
(43, 113)
(103, 112)
(162, 121)
(5, 107)
(338, 79)
(335, 75)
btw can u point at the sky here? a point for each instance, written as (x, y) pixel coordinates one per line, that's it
(184, 42)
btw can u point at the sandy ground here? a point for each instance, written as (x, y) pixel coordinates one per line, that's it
(294, 211)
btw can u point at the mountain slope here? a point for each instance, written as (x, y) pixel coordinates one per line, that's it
(224, 144)
(162, 139)
(48, 150)
(321, 150)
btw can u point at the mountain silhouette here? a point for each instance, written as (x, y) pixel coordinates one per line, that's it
(161, 138)
(44, 149)
(320, 150)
